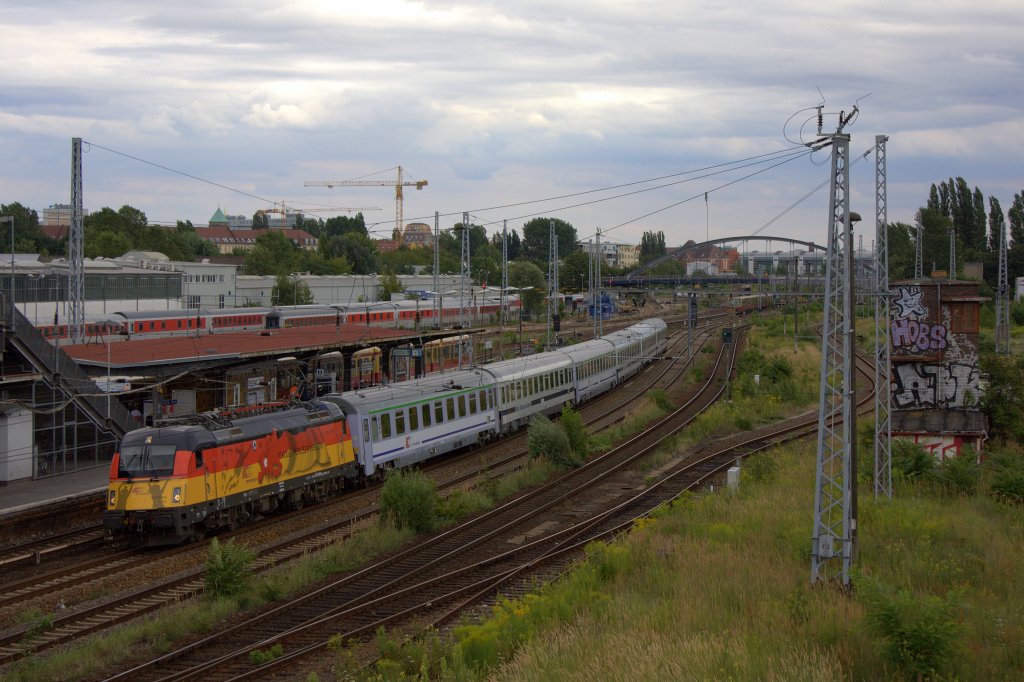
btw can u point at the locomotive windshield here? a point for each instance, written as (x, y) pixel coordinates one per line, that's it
(146, 460)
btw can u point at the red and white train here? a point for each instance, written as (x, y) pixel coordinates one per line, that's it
(407, 314)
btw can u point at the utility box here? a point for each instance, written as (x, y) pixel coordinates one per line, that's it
(732, 478)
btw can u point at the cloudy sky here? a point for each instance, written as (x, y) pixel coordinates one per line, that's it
(600, 113)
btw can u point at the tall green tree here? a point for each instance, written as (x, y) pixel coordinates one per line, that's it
(273, 254)
(288, 291)
(1016, 216)
(652, 245)
(934, 233)
(27, 235)
(535, 239)
(901, 250)
(996, 221)
(260, 221)
(354, 247)
(574, 271)
(389, 284)
(522, 274)
(340, 225)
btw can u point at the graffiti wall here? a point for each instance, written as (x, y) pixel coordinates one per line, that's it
(940, 446)
(935, 357)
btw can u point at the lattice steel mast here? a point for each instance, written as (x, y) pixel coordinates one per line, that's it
(76, 252)
(504, 269)
(598, 303)
(1003, 298)
(464, 274)
(883, 401)
(552, 279)
(437, 271)
(834, 537)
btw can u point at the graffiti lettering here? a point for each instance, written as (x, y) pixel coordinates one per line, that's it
(920, 335)
(908, 304)
(918, 385)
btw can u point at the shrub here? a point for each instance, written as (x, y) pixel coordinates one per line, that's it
(228, 568)
(960, 474)
(575, 431)
(761, 468)
(1007, 481)
(409, 500)
(261, 656)
(910, 461)
(919, 631)
(661, 399)
(550, 442)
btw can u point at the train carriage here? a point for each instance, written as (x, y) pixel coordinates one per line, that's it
(594, 367)
(414, 420)
(535, 384)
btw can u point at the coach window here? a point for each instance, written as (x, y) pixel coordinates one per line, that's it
(385, 426)
(399, 422)
(462, 405)
(483, 400)
(450, 404)
(472, 403)
(438, 412)
(414, 421)
(366, 429)
(426, 415)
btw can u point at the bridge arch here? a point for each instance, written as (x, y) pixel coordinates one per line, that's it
(811, 246)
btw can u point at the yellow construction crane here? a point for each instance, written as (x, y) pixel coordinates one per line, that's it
(398, 185)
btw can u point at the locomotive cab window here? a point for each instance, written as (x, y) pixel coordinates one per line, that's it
(146, 460)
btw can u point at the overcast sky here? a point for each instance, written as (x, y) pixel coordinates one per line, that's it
(503, 107)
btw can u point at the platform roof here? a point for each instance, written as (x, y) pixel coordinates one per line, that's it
(207, 349)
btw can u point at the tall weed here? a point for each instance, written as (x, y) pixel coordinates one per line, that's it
(919, 633)
(409, 500)
(228, 568)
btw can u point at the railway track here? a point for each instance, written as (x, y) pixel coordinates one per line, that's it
(355, 605)
(73, 625)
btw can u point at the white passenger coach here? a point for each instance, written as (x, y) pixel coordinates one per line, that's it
(411, 421)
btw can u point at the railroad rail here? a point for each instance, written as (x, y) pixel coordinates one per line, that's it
(84, 621)
(381, 593)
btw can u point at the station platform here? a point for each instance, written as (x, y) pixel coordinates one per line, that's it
(20, 496)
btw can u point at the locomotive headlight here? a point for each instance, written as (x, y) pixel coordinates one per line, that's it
(176, 497)
(111, 498)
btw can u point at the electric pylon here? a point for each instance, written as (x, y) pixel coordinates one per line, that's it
(883, 398)
(438, 323)
(1003, 298)
(833, 541)
(76, 249)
